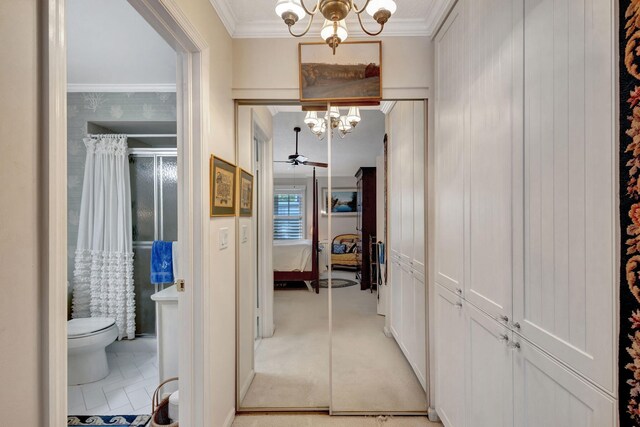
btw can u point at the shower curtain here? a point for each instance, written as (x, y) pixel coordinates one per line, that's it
(103, 274)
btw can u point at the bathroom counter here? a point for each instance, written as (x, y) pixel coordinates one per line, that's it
(168, 294)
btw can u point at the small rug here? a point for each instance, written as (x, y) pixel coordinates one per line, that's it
(337, 283)
(108, 420)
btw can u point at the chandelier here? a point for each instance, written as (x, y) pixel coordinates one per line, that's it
(334, 31)
(344, 123)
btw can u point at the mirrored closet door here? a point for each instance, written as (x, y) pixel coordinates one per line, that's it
(378, 290)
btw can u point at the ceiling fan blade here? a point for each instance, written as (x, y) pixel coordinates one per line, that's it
(316, 164)
(282, 161)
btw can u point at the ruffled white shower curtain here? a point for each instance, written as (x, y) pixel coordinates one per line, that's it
(103, 274)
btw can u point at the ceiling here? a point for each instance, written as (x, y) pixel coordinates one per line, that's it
(111, 47)
(257, 18)
(358, 149)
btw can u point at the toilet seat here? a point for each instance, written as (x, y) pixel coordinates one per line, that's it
(87, 326)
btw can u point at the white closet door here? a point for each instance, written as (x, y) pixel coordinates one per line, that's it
(395, 308)
(420, 325)
(546, 394)
(492, 141)
(418, 261)
(450, 103)
(488, 371)
(407, 334)
(406, 176)
(566, 304)
(449, 357)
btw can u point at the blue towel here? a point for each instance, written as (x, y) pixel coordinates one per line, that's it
(161, 262)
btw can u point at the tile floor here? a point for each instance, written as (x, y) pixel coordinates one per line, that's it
(126, 391)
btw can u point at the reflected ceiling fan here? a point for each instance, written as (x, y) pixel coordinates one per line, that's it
(298, 159)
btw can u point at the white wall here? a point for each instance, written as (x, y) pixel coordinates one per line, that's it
(407, 68)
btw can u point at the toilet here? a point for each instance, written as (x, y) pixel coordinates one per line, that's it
(87, 339)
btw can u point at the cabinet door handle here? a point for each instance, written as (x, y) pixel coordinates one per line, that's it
(503, 337)
(504, 318)
(458, 305)
(516, 325)
(458, 291)
(514, 345)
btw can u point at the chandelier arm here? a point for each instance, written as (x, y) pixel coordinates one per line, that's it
(354, 6)
(306, 30)
(312, 12)
(365, 30)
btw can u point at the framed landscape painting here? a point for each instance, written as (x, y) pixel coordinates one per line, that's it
(343, 201)
(222, 176)
(353, 74)
(246, 193)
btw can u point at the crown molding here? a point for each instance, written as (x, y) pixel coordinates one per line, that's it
(387, 106)
(273, 109)
(126, 88)
(437, 15)
(226, 14)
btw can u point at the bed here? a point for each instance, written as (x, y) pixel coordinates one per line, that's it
(344, 251)
(297, 260)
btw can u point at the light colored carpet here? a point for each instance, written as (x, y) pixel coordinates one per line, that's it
(292, 367)
(327, 421)
(370, 373)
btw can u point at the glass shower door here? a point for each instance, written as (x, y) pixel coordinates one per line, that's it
(154, 204)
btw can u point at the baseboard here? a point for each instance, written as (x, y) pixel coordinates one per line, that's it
(138, 345)
(433, 415)
(387, 332)
(245, 387)
(229, 420)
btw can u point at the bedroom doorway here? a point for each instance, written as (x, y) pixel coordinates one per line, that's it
(326, 337)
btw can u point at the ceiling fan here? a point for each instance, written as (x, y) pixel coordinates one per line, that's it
(298, 159)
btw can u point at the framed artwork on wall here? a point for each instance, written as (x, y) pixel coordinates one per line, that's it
(245, 188)
(223, 181)
(353, 74)
(343, 201)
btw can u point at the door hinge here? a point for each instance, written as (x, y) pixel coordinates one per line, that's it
(180, 285)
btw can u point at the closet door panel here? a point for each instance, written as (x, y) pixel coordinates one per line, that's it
(449, 357)
(418, 261)
(566, 304)
(395, 274)
(420, 324)
(406, 174)
(451, 98)
(491, 145)
(488, 371)
(546, 394)
(407, 334)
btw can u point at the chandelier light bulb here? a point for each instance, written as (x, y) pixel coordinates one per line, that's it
(334, 33)
(311, 119)
(344, 126)
(381, 10)
(290, 11)
(334, 112)
(353, 117)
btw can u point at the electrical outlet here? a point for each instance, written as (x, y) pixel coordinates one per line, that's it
(223, 238)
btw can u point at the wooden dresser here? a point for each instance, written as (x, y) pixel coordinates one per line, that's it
(366, 223)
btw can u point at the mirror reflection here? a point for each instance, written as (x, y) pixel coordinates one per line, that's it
(331, 288)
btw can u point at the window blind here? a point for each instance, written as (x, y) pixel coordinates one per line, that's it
(288, 213)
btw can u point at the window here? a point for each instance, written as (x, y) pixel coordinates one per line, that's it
(288, 213)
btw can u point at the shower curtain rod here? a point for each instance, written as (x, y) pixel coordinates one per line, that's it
(139, 135)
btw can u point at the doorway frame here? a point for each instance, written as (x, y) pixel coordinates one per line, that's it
(192, 90)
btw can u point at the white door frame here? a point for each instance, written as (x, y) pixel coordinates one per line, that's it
(193, 163)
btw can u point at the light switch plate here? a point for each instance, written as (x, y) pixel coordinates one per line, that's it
(224, 238)
(245, 237)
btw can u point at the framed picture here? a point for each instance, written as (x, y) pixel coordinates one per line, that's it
(246, 193)
(353, 74)
(222, 176)
(343, 201)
